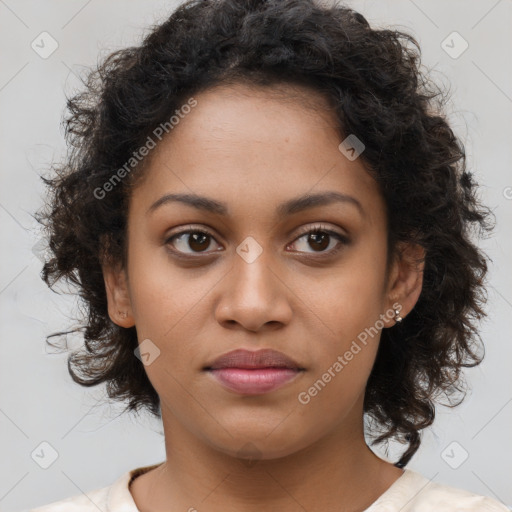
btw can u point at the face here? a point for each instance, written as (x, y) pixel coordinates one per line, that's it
(254, 278)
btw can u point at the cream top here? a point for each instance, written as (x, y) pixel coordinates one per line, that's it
(411, 492)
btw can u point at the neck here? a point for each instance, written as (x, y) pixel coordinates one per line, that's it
(335, 472)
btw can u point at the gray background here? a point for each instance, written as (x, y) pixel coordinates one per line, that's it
(95, 445)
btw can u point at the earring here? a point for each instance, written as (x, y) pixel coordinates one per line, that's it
(122, 314)
(398, 318)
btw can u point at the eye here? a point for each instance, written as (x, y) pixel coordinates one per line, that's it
(198, 240)
(320, 239)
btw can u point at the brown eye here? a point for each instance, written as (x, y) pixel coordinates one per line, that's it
(319, 240)
(189, 242)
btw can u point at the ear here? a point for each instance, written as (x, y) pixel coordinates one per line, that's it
(118, 296)
(406, 279)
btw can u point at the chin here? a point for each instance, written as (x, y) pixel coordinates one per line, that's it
(254, 444)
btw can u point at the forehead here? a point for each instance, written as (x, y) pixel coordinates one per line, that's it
(251, 147)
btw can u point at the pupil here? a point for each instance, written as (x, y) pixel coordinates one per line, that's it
(317, 236)
(202, 237)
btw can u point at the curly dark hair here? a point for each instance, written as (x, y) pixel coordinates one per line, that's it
(378, 91)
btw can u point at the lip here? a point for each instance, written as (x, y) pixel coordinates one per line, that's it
(250, 360)
(254, 381)
(251, 372)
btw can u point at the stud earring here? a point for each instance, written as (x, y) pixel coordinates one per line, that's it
(398, 318)
(122, 314)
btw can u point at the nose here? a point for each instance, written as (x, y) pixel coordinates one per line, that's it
(254, 296)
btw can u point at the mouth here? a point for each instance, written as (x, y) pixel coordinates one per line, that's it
(252, 373)
(254, 381)
(253, 360)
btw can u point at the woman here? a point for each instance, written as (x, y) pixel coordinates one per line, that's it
(267, 216)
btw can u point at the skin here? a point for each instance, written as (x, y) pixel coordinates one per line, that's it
(253, 150)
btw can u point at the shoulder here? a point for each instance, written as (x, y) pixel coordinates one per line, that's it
(416, 493)
(92, 501)
(114, 497)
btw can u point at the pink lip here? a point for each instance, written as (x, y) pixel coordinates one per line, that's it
(249, 359)
(254, 381)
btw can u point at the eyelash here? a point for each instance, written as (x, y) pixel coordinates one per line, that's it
(343, 240)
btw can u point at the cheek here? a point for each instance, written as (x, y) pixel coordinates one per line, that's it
(339, 384)
(350, 298)
(163, 296)
(166, 304)
(347, 307)
(344, 357)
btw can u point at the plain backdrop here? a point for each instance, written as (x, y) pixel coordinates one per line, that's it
(468, 447)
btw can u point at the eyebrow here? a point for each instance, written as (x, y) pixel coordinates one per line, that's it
(289, 207)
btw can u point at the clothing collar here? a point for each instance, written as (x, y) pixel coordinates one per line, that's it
(119, 498)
